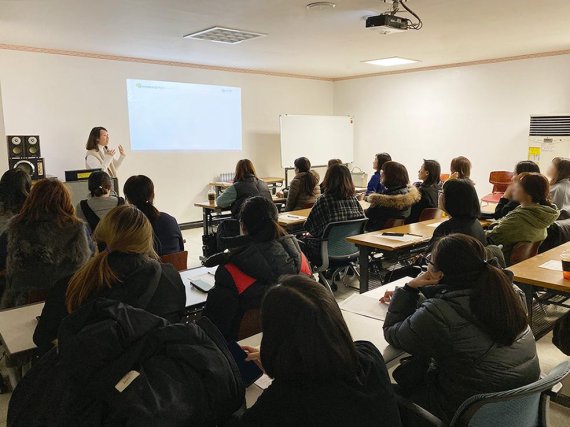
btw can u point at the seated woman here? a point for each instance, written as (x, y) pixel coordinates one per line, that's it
(246, 184)
(459, 200)
(304, 189)
(460, 168)
(338, 203)
(244, 274)
(469, 336)
(100, 200)
(330, 163)
(15, 186)
(139, 191)
(375, 184)
(506, 203)
(320, 376)
(396, 201)
(428, 187)
(46, 242)
(528, 222)
(127, 270)
(559, 174)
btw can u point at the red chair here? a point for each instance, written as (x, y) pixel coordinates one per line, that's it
(444, 177)
(500, 180)
(523, 251)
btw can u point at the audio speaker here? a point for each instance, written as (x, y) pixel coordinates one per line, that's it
(23, 146)
(33, 166)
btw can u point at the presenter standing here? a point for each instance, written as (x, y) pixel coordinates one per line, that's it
(99, 156)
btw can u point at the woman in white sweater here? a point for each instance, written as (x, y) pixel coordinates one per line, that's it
(99, 155)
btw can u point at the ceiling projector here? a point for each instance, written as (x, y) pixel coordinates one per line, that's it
(387, 23)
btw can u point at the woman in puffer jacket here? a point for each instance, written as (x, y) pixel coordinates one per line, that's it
(263, 254)
(396, 201)
(469, 336)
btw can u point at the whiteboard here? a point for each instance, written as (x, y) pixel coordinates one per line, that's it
(319, 138)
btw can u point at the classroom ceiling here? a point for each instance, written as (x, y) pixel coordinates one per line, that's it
(328, 43)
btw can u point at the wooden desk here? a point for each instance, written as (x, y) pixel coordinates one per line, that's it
(367, 242)
(530, 273)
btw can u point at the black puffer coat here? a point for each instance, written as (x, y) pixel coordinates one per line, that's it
(465, 360)
(245, 274)
(121, 366)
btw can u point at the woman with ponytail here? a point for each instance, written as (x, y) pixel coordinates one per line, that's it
(530, 221)
(469, 336)
(264, 253)
(126, 270)
(139, 191)
(101, 199)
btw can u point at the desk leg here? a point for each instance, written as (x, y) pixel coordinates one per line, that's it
(364, 273)
(205, 221)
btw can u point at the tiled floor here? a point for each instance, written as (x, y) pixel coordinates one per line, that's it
(548, 354)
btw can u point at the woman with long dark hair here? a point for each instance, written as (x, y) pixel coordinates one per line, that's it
(99, 155)
(246, 184)
(428, 186)
(15, 186)
(470, 335)
(375, 184)
(530, 221)
(264, 253)
(320, 376)
(139, 191)
(304, 189)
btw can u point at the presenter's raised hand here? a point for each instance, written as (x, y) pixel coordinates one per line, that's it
(122, 151)
(109, 152)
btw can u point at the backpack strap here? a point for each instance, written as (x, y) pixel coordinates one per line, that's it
(90, 215)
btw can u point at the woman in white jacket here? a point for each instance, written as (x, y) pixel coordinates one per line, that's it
(99, 156)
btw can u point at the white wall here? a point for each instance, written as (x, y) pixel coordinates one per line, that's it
(480, 111)
(61, 98)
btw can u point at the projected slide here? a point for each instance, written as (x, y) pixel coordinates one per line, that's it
(183, 116)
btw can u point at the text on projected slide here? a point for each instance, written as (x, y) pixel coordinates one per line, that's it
(183, 116)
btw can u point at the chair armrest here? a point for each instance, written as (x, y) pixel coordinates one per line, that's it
(416, 415)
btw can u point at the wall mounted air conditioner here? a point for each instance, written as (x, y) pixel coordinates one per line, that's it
(549, 137)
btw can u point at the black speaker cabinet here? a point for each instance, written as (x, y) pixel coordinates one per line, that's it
(33, 166)
(20, 146)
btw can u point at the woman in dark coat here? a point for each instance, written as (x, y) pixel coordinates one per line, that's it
(469, 336)
(262, 254)
(428, 187)
(320, 376)
(127, 270)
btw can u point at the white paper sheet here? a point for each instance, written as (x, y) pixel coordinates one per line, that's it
(288, 216)
(552, 265)
(263, 382)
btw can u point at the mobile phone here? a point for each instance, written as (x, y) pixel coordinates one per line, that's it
(249, 371)
(201, 285)
(393, 234)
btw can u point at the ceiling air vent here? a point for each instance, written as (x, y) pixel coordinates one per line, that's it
(550, 125)
(224, 35)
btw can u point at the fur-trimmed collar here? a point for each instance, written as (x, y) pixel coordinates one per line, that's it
(396, 201)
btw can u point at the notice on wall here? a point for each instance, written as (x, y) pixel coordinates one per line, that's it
(534, 154)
